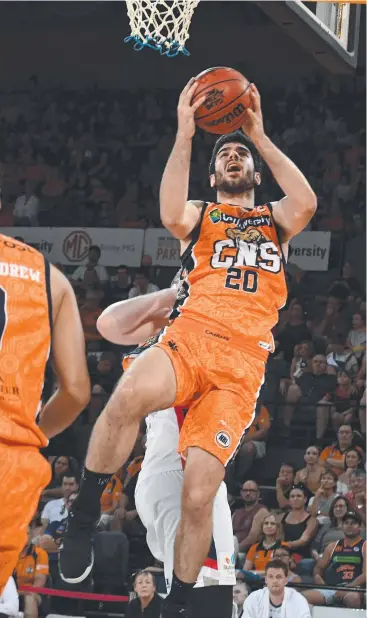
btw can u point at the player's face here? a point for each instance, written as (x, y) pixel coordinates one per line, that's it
(276, 581)
(234, 170)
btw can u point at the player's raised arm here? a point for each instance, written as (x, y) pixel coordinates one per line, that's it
(69, 360)
(294, 211)
(179, 215)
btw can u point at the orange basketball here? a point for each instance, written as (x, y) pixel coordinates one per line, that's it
(227, 98)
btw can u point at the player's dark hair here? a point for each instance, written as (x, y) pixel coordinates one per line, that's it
(241, 138)
(277, 564)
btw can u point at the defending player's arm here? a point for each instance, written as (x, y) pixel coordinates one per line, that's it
(179, 215)
(128, 322)
(293, 212)
(69, 360)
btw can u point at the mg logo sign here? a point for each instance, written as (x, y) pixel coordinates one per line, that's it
(76, 246)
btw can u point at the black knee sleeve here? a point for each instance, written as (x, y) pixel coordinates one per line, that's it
(211, 602)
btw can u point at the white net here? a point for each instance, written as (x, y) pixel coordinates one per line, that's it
(160, 24)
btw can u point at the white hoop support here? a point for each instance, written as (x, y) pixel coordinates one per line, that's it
(160, 24)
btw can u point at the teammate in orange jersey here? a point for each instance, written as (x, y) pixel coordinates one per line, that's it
(38, 312)
(217, 345)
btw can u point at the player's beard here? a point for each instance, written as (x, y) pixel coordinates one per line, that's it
(237, 186)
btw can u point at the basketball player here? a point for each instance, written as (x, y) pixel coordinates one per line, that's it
(217, 345)
(38, 312)
(159, 486)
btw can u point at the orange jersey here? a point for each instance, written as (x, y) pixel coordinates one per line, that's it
(235, 282)
(25, 338)
(111, 494)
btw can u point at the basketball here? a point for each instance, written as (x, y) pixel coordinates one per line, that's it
(227, 98)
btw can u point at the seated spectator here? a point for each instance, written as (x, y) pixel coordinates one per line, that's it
(253, 445)
(284, 484)
(284, 554)
(362, 413)
(310, 476)
(331, 530)
(319, 505)
(344, 400)
(340, 358)
(56, 510)
(121, 285)
(147, 602)
(247, 521)
(294, 332)
(27, 206)
(89, 314)
(298, 527)
(312, 389)
(356, 495)
(348, 279)
(61, 466)
(353, 460)
(106, 374)
(356, 341)
(261, 553)
(9, 600)
(333, 456)
(97, 274)
(334, 319)
(342, 564)
(240, 594)
(31, 570)
(301, 363)
(110, 501)
(275, 599)
(51, 539)
(142, 285)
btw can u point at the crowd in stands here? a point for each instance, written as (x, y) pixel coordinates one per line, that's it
(94, 158)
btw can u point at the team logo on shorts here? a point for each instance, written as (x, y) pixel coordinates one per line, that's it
(223, 439)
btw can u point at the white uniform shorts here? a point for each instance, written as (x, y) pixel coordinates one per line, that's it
(158, 502)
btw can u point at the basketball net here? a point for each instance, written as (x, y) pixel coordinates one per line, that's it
(160, 25)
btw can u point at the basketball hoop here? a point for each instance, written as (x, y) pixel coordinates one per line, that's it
(160, 25)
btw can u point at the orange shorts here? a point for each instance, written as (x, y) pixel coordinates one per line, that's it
(24, 473)
(227, 380)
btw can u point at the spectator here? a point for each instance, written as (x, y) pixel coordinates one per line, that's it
(340, 358)
(310, 476)
(27, 207)
(333, 456)
(353, 460)
(247, 521)
(240, 594)
(319, 505)
(298, 527)
(312, 389)
(331, 530)
(121, 286)
(106, 374)
(253, 445)
(261, 553)
(61, 466)
(275, 599)
(356, 341)
(284, 554)
(97, 274)
(142, 285)
(362, 413)
(348, 280)
(342, 564)
(284, 484)
(89, 314)
(301, 362)
(56, 510)
(31, 570)
(294, 332)
(345, 401)
(147, 603)
(110, 501)
(334, 319)
(357, 494)
(9, 600)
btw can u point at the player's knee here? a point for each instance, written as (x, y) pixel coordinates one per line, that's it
(197, 500)
(128, 396)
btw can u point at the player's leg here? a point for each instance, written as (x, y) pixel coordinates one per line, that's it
(24, 473)
(148, 385)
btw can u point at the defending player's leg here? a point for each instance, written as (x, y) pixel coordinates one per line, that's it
(148, 385)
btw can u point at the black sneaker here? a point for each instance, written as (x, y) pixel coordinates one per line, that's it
(173, 611)
(76, 556)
